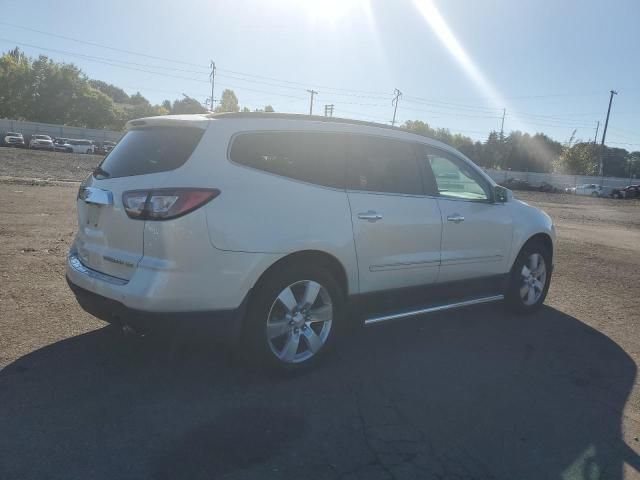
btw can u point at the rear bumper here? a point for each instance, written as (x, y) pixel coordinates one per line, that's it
(222, 324)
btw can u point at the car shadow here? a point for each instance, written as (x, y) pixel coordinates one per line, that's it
(476, 393)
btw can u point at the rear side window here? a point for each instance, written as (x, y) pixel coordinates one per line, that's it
(383, 165)
(151, 150)
(313, 157)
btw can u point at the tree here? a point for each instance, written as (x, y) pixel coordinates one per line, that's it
(187, 105)
(580, 159)
(269, 109)
(116, 94)
(228, 102)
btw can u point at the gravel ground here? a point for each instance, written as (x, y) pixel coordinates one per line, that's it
(476, 393)
(36, 164)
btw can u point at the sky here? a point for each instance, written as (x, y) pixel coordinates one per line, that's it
(458, 63)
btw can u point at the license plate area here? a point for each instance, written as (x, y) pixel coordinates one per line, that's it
(93, 214)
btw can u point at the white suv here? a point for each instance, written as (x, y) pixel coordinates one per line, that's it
(279, 229)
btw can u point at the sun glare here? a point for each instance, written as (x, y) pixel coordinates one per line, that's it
(331, 11)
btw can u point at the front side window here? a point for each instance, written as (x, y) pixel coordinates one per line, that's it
(313, 157)
(383, 165)
(454, 178)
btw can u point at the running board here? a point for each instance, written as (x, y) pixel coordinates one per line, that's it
(438, 308)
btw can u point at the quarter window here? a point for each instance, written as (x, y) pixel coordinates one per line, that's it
(383, 165)
(312, 157)
(454, 178)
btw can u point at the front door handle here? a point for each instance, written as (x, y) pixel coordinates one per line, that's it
(455, 218)
(370, 216)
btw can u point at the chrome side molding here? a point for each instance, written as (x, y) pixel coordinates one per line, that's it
(437, 308)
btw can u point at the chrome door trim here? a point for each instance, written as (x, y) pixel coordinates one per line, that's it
(96, 196)
(400, 266)
(461, 260)
(437, 308)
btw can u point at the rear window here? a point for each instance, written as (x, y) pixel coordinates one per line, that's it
(383, 165)
(314, 157)
(151, 150)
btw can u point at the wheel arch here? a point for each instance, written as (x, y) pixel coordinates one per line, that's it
(311, 257)
(541, 237)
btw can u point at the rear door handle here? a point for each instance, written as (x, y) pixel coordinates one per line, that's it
(455, 218)
(370, 216)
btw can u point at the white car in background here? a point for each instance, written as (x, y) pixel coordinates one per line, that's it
(13, 139)
(79, 146)
(593, 190)
(41, 142)
(283, 228)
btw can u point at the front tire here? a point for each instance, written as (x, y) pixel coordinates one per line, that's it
(530, 278)
(293, 316)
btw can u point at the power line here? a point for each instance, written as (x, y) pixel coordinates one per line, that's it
(439, 104)
(94, 44)
(604, 133)
(312, 92)
(394, 102)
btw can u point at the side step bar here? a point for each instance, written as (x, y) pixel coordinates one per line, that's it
(437, 308)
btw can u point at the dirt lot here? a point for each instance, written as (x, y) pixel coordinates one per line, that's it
(34, 164)
(475, 394)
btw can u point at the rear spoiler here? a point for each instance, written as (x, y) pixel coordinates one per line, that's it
(194, 121)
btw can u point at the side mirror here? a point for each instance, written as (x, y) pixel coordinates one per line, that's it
(502, 194)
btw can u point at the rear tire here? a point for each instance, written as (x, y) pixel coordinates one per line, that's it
(529, 279)
(292, 319)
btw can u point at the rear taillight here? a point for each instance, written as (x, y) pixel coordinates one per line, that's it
(165, 203)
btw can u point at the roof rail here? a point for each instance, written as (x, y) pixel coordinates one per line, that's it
(299, 116)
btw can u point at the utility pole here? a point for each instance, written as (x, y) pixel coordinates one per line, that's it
(604, 133)
(504, 112)
(328, 110)
(394, 102)
(212, 77)
(312, 92)
(595, 139)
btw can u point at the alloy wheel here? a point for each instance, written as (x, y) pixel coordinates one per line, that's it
(299, 321)
(533, 279)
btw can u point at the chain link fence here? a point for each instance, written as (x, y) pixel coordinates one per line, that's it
(59, 131)
(558, 180)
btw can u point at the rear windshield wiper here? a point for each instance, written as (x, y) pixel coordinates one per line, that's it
(100, 171)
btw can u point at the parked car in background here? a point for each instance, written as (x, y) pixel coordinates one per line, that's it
(571, 190)
(108, 145)
(516, 184)
(631, 191)
(61, 145)
(13, 139)
(592, 190)
(104, 147)
(41, 142)
(281, 228)
(549, 188)
(80, 146)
